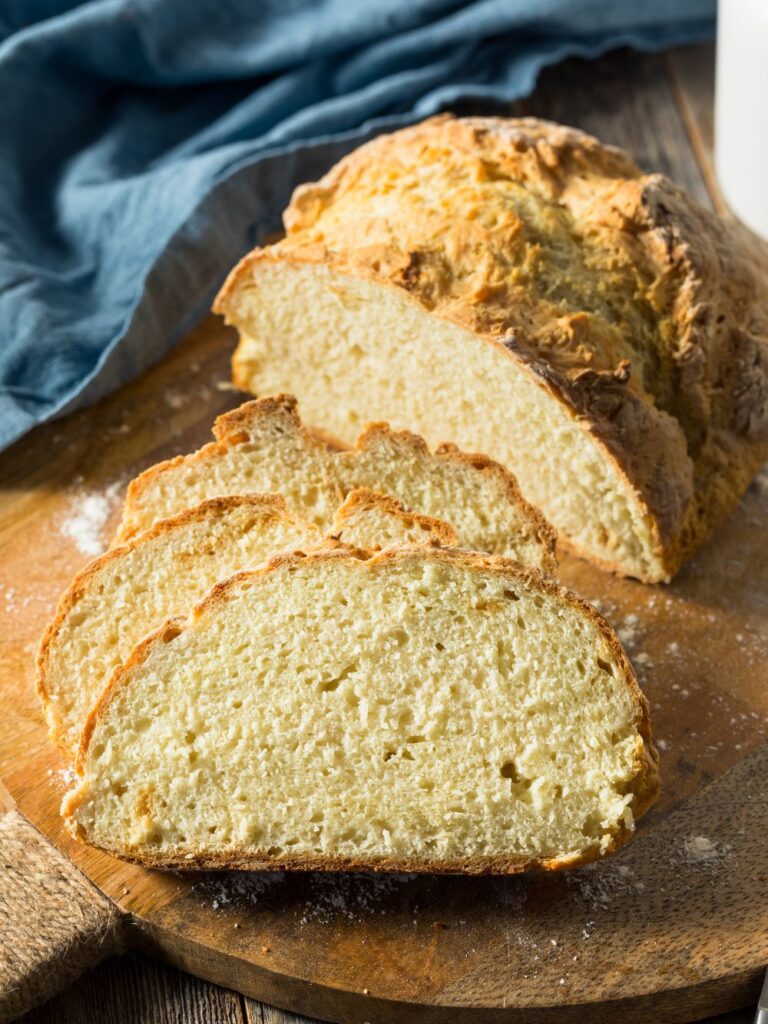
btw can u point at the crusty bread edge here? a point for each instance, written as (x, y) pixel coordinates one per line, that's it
(365, 498)
(541, 528)
(646, 775)
(227, 430)
(269, 503)
(231, 425)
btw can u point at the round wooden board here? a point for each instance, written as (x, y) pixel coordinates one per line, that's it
(672, 928)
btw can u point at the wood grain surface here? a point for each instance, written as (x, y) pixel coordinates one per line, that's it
(671, 929)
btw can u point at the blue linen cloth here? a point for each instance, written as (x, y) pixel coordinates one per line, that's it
(145, 145)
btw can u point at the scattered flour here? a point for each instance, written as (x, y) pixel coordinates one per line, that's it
(601, 883)
(243, 888)
(88, 517)
(324, 897)
(67, 776)
(350, 896)
(627, 630)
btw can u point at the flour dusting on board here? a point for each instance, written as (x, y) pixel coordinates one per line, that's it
(88, 516)
(352, 896)
(250, 888)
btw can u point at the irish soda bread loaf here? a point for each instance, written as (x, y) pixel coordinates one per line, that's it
(262, 446)
(129, 591)
(520, 289)
(424, 709)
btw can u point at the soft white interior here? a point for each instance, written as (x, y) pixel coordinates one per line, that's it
(367, 710)
(353, 351)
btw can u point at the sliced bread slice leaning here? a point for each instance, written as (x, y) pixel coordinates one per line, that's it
(130, 590)
(421, 710)
(127, 592)
(521, 289)
(260, 447)
(264, 446)
(372, 521)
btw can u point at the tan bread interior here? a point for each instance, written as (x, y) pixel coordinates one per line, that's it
(372, 521)
(353, 351)
(267, 450)
(131, 591)
(403, 707)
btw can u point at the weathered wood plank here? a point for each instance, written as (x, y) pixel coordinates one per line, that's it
(625, 99)
(691, 74)
(260, 1013)
(135, 989)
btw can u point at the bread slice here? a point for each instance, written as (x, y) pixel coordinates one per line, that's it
(263, 446)
(130, 590)
(421, 710)
(523, 290)
(373, 521)
(127, 592)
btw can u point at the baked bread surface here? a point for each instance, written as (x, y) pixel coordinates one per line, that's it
(422, 709)
(640, 318)
(371, 521)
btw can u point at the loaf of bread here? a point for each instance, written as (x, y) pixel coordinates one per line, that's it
(420, 710)
(132, 589)
(262, 446)
(522, 290)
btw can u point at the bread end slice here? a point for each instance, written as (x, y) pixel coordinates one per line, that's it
(260, 447)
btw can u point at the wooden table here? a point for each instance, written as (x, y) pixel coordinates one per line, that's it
(659, 107)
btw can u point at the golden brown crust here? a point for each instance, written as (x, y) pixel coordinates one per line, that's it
(642, 313)
(233, 427)
(274, 504)
(229, 430)
(363, 499)
(645, 783)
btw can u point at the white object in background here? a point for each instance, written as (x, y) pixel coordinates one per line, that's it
(741, 109)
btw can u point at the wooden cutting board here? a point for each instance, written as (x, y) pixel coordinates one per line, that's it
(671, 929)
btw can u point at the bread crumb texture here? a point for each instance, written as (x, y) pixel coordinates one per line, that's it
(419, 710)
(263, 446)
(523, 290)
(125, 594)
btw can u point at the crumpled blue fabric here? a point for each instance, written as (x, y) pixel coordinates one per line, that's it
(145, 145)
